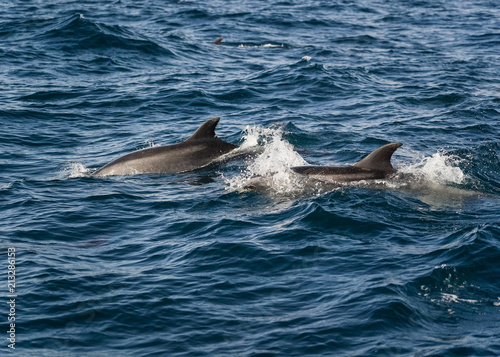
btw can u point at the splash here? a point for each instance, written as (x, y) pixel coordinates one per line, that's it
(270, 170)
(436, 180)
(77, 169)
(149, 143)
(441, 168)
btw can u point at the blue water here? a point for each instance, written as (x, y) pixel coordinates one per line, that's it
(209, 263)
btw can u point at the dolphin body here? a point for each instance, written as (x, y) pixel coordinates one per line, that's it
(377, 165)
(199, 150)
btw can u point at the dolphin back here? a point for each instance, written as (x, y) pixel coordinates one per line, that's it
(377, 165)
(199, 150)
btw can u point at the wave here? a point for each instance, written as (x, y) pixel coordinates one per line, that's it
(469, 261)
(77, 33)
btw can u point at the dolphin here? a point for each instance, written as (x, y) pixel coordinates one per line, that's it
(199, 150)
(377, 165)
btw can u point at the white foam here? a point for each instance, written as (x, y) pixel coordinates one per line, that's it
(446, 297)
(266, 45)
(270, 170)
(77, 169)
(441, 168)
(150, 143)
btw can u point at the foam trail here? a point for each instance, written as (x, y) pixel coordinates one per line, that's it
(270, 170)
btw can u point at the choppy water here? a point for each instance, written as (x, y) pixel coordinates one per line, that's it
(246, 258)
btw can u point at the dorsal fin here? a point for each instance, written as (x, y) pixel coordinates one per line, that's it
(380, 159)
(206, 130)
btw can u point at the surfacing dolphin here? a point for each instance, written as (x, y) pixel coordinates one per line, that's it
(377, 165)
(199, 150)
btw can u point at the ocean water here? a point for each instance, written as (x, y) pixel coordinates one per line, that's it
(245, 258)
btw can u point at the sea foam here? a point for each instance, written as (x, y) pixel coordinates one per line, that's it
(270, 170)
(440, 168)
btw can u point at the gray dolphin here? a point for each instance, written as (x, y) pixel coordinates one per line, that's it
(199, 150)
(377, 165)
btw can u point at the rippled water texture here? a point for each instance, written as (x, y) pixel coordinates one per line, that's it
(245, 257)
